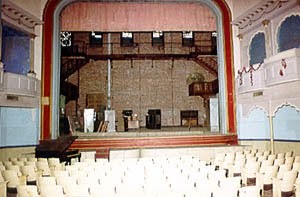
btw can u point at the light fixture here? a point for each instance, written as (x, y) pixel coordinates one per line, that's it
(96, 35)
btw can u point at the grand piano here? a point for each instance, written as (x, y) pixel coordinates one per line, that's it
(58, 148)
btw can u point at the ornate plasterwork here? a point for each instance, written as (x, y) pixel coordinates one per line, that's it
(260, 12)
(270, 107)
(247, 109)
(16, 16)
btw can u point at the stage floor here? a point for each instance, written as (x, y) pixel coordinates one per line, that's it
(166, 137)
(144, 132)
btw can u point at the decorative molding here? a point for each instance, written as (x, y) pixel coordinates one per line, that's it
(248, 108)
(286, 104)
(265, 23)
(16, 16)
(240, 37)
(270, 108)
(258, 12)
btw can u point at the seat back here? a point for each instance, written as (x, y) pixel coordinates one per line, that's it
(3, 188)
(288, 181)
(45, 181)
(11, 176)
(296, 166)
(27, 191)
(52, 190)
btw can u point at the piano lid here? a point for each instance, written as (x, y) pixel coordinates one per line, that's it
(61, 144)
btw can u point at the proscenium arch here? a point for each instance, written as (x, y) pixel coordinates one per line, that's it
(51, 65)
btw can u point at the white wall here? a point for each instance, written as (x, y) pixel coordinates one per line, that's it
(253, 110)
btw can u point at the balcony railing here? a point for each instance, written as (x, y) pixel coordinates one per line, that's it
(204, 89)
(281, 68)
(20, 85)
(251, 78)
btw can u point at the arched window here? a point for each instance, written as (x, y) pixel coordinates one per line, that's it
(15, 50)
(257, 50)
(288, 36)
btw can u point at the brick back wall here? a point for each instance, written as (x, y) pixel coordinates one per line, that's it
(140, 85)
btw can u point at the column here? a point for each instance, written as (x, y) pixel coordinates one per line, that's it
(31, 58)
(268, 41)
(271, 128)
(240, 37)
(271, 134)
(109, 114)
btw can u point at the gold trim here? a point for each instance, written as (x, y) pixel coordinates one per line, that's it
(45, 100)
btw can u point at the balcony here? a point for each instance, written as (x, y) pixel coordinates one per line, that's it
(251, 79)
(15, 84)
(18, 85)
(204, 89)
(19, 90)
(283, 67)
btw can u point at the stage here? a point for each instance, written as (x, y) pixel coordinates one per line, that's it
(169, 137)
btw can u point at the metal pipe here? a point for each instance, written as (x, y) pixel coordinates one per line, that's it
(109, 72)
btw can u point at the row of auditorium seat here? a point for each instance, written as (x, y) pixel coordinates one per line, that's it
(278, 173)
(247, 173)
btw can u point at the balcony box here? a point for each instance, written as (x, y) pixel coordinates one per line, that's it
(283, 67)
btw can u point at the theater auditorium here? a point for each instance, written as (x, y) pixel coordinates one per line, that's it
(150, 98)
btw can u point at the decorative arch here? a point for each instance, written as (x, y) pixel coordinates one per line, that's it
(51, 73)
(285, 122)
(254, 107)
(255, 124)
(257, 48)
(287, 104)
(295, 32)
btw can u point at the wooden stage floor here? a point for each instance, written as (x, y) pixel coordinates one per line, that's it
(144, 138)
